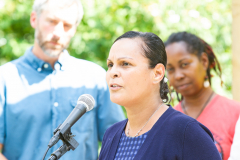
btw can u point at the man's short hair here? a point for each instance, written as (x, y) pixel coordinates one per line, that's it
(40, 5)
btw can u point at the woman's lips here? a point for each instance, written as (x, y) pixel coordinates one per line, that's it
(182, 87)
(115, 87)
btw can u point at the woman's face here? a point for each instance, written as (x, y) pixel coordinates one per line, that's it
(185, 70)
(128, 75)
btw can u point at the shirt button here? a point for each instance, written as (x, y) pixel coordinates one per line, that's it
(57, 66)
(39, 69)
(45, 65)
(55, 104)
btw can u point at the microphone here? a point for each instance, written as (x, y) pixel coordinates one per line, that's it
(85, 103)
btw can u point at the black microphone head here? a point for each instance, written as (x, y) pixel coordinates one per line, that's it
(88, 100)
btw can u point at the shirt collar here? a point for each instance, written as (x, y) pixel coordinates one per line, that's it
(40, 65)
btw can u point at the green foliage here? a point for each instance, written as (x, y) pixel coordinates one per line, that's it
(105, 20)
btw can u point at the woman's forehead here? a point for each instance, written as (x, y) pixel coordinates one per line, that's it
(126, 47)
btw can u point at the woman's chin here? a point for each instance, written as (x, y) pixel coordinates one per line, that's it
(187, 93)
(117, 99)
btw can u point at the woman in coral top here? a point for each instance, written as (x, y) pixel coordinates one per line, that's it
(189, 65)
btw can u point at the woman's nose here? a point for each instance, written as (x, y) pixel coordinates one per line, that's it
(114, 73)
(179, 75)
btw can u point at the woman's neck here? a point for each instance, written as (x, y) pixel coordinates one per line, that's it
(193, 105)
(139, 114)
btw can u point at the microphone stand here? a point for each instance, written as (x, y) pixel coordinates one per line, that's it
(68, 143)
(59, 152)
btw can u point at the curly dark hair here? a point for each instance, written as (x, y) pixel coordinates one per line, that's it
(197, 46)
(154, 50)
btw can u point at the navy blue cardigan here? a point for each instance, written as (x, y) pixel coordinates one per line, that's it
(174, 136)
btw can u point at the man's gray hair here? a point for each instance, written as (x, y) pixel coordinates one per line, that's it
(40, 5)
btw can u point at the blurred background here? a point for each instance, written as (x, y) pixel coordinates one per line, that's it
(105, 20)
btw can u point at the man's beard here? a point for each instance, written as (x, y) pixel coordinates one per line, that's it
(53, 51)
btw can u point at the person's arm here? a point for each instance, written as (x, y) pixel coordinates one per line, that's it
(198, 143)
(235, 149)
(2, 104)
(1, 155)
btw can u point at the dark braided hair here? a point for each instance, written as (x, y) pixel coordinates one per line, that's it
(154, 50)
(197, 46)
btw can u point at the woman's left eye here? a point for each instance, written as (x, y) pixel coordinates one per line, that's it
(125, 64)
(109, 65)
(184, 64)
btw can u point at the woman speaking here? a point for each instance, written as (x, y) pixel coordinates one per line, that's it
(153, 130)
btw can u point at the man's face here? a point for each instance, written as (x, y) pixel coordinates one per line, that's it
(55, 27)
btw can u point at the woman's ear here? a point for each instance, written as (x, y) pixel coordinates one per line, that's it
(158, 73)
(204, 60)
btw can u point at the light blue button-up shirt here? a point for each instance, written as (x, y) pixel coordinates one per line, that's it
(35, 99)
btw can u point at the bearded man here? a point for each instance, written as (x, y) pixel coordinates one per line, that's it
(40, 89)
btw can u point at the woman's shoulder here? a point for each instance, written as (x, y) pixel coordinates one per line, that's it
(182, 131)
(177, 117)
(224, 101)
(184, 124)
(178, 107)
(225, 106)
(177, 122)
